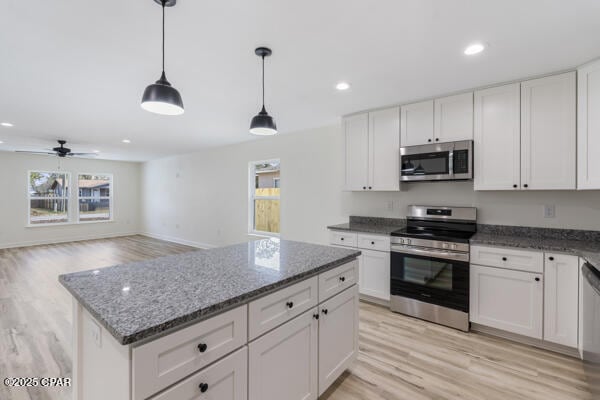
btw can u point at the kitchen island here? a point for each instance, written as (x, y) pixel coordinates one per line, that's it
(269, 319)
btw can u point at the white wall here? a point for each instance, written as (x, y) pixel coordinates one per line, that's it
(202, 198)
(13, 200)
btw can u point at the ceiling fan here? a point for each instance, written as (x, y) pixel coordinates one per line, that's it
(61, 151)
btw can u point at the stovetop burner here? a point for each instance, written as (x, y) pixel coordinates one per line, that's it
(445, 235)
(449, 224)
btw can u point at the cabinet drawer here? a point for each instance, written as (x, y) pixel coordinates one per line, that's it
(521, 260)
(164, 361)
(374, 242)
(342, 238)
(273, 310)
(335, 280)
(225, 380)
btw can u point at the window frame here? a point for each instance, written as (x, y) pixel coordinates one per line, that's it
(67, 198)
(109, 197)
(252, 197)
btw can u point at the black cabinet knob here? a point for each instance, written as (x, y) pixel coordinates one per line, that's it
(515, 186)
(525, 185)
(364, 188)
(551, 258)
(290, 304)
(372, 242)
(342, 278)
(537, 279)
(341, 238)
(203, 387)
(202, 347)
(370, 188)
(316, 316)
(503, 258)
(324, 311)
(437, 139)
(429, 140)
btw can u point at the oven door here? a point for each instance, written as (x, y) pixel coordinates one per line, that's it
(432, 276)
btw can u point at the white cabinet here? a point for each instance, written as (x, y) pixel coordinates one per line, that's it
(283, 363)
(454, 118)
(375, 274)
(561, 310)
(356, 135)
(497, 138)
(337, 280)
(588, 126)
(337, 352)
(225, 380)
(416, 124)
(548, 133)
(506, 299)
(372, 150)
(384, 149)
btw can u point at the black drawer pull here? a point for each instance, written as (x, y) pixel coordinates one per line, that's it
(372, 242)
(316, 316)
(514, 186)
(203, 387)
(551, 258)
(342, 278)
(504, 258)
(537, 279)
(202, 347)
(289, 304)
(324, 311)
(341, 238)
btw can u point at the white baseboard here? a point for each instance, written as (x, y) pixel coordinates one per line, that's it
(77, 238)
(178, 240)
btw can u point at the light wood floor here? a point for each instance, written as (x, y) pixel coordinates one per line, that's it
(400, 357)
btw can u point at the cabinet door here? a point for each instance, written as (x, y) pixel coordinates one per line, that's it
(416, 123)
(454, 118)
(588, 126)
(356, 134)
(225, 380)
(548, 133)
(337, 351)
(507, 300)
(497, 138)
(561, 310)
(283, 363)
(375, 274)
(384, 149)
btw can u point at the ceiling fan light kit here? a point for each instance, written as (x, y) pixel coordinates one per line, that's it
(263, 124)
(60, 151)
(161, 97)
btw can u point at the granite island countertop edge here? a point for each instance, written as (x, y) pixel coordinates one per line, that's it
(179, 323)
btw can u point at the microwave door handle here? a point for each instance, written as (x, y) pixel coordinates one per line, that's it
(451, 161)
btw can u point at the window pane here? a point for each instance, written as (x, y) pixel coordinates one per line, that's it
(266, 216)
(48, 211)
(94, 210)
(266, 179)
(94, 185)
(48, 184)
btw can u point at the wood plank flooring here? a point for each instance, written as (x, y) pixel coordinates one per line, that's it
(400, 357)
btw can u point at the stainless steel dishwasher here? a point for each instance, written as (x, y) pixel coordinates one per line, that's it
(591, 327)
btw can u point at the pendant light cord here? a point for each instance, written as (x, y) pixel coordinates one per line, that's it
(263, 81)
(163, 35)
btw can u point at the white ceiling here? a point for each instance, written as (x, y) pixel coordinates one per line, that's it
(77, 69)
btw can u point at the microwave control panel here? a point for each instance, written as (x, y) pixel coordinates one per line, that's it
(461, 161)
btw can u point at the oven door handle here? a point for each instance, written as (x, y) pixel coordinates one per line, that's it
(447, 255)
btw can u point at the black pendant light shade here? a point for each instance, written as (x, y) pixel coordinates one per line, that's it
(160, 97)
(263, 124)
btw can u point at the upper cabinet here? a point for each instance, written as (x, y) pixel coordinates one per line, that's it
(417, 123)
(454, 118)
(372, 149)
(497, 138)
(525, 135)
(588, 127)
(548, 133)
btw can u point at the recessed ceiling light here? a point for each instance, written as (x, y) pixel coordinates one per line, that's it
(474, 49)
(126, 141)
(342, 86)
(126, 289)
(96, 151)
(6, 124)
(1, 142)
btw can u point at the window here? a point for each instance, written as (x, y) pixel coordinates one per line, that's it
(48, 194)
(264, 197)
(94, 197)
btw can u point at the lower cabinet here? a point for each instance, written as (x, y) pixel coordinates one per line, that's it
(225, 380)
(283, 363)
(375, 274)
(561, 299)
(337, 352)
(508, 300)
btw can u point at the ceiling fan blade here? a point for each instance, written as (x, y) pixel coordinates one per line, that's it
(82, 154)
(34, 152)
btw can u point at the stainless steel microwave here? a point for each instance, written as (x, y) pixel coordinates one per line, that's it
(437, 162)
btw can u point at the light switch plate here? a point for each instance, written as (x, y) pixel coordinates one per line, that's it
(549, 211)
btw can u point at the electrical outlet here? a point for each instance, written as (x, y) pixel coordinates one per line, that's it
(549, 211)
(96, 333)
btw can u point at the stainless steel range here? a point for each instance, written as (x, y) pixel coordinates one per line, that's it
(430, 265)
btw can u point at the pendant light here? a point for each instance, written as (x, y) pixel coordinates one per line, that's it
(161, 97)
(263, 124)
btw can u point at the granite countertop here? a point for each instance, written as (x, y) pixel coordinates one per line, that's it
(142, 299)
(380, 226)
